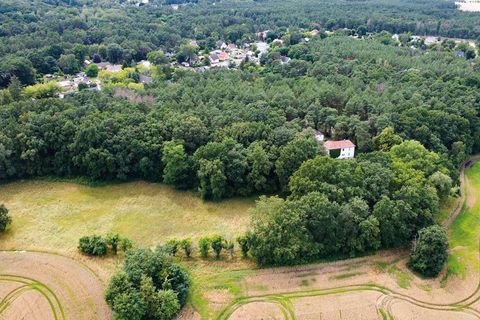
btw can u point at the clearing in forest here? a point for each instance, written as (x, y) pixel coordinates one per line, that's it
(52, 216)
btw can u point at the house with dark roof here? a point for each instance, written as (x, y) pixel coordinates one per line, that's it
(346, 147)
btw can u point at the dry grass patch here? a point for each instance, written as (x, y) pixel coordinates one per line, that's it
(54, 215)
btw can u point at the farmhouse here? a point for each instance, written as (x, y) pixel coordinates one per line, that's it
(347, 148)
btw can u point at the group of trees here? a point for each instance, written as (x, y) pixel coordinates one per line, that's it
(149, 286)
(344, 208)
(98, 246)
(216, 243)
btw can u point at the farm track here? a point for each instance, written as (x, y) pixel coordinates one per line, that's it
(28, 284)
(388, 296)
(56, 287)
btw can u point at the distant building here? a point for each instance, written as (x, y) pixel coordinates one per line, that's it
(346, 147)
(145, 79)
(221, 45)
(223, 56)
(284, 60)
(214, 58)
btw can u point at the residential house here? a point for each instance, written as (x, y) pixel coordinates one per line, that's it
(223, 56)
(346, 147)
(221, 45)
(214, 58)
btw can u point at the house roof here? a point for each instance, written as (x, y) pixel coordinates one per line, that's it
(223, 56)
(333, 145)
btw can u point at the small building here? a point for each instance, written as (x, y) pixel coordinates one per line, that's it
(346, 147)
(214, 58)
(221, 45)
(145, 79)
(223, 56)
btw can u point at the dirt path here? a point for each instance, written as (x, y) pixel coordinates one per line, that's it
(463, 192)
(37, 285)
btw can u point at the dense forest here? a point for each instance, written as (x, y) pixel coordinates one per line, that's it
(413, 112)
(46, 36)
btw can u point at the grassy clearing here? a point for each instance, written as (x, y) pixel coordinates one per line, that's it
(54, 215)
(465, 232)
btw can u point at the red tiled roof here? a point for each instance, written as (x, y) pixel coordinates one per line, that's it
(223, 56)
(333, 145)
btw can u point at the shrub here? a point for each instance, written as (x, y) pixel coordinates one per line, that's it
(92, 71)
(5, 219)
(186, 245)
(244, 243)
(204, 246)
(171, 246)
(93, 245)
(113, 241)
(430, 251)
(218, 243)
(230, 247)
(125, 244)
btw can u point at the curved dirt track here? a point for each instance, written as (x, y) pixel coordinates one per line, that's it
(366, 298)
(45, 286)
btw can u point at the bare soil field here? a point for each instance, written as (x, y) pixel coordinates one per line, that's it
(46, 286)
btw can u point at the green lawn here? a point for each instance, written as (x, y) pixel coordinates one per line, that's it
(465, 231)
(54, 215)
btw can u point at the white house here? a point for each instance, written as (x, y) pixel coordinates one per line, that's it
(347, 148)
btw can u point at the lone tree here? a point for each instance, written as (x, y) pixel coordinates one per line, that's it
(5, 219)
(430, 251)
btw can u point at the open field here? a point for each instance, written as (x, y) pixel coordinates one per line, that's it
(52, 216)
(48, 286)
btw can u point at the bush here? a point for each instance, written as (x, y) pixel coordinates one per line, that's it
(430, 251)
(218, 243)
(244, 243)
(186, 245)
(204, 246)
(171, 247)
(125, 244)
(5, 219)
(92, 71)
(93, 245)
(230, 247)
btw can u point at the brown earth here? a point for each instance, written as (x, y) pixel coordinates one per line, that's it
(78, 290)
